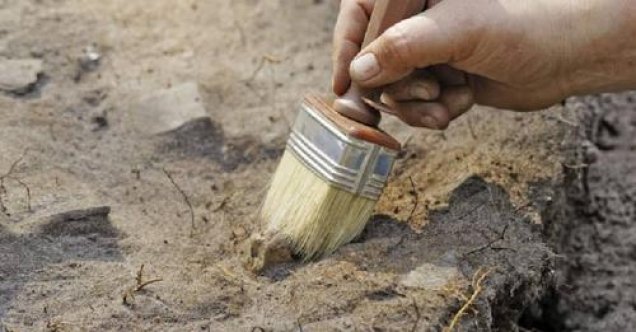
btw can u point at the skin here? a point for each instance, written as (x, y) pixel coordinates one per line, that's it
(512, 54)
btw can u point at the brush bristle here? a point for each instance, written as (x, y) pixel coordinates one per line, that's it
(315, 216)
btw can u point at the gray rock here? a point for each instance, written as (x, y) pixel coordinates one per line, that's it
(168, 109)
(431, 277)
(17, 75)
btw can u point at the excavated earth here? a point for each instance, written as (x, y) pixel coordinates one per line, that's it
(137, 139)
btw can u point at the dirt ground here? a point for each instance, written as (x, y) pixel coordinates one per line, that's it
(108, 224)
(596, 233)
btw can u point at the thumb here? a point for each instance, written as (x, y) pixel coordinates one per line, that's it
(417, 42)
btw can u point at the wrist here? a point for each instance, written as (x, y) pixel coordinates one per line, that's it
(605, 59)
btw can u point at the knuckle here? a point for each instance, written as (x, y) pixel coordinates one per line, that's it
(367, 5)
(409, 118)
(429, 86)
(396, 50)
(465, 100)
(411, 122)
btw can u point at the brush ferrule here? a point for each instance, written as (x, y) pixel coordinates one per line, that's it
(354, 165)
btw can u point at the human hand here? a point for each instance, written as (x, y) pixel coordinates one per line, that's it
(512, 54)
(417, 98)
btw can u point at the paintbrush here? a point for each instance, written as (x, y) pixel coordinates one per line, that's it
(336, 163)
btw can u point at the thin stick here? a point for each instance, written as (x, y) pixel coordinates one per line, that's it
(478, 288)
(471, 128)
(15, 164)
(139, 280)
(560, 118)
(186, 199)
(28, 192)
(7, 175)
(266, 58)
(146, 283)
(502, 236)
(418, 315)
(416, 199)
(140, 274)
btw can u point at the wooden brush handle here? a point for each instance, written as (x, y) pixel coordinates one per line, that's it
(385, 14)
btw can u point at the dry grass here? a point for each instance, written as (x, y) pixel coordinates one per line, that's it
(129, 294)
(477, 287)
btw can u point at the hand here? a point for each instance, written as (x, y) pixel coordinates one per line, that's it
(522, 55)
(418, 99)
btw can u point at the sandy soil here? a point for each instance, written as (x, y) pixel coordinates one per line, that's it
(105, 198)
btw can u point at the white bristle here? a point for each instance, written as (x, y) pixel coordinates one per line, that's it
(315, 216)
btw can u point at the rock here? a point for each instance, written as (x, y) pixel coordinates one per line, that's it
(168, 109)
(81, 222)
(79, 214)
(18, 75)
(430, 277)
(89, 60)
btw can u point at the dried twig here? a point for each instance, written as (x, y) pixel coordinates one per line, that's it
(418, 315)
(577, 166)
(471, 128)
(28, 192)
(186, 199)
(140, 279)
(561, 119)
(15, 164)
(146, 283)
(501, 237)
(9, 175)
(416, 199)
(477, 285)
(140, 274)
(267, 58)
(140, 284)
(223, 204)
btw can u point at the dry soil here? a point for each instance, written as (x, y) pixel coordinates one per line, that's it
(89, 197)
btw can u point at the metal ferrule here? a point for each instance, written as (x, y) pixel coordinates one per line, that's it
(354, 165)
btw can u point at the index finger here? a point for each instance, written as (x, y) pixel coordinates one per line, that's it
(351, 26)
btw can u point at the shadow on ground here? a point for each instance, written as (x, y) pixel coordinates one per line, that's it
(69, 238)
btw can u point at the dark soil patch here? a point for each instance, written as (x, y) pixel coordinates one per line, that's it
(596, 234)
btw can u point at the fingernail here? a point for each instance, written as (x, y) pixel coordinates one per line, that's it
(429, 122)
(365, 67)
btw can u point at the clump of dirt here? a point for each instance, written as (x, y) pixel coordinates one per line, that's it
(263, 251)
